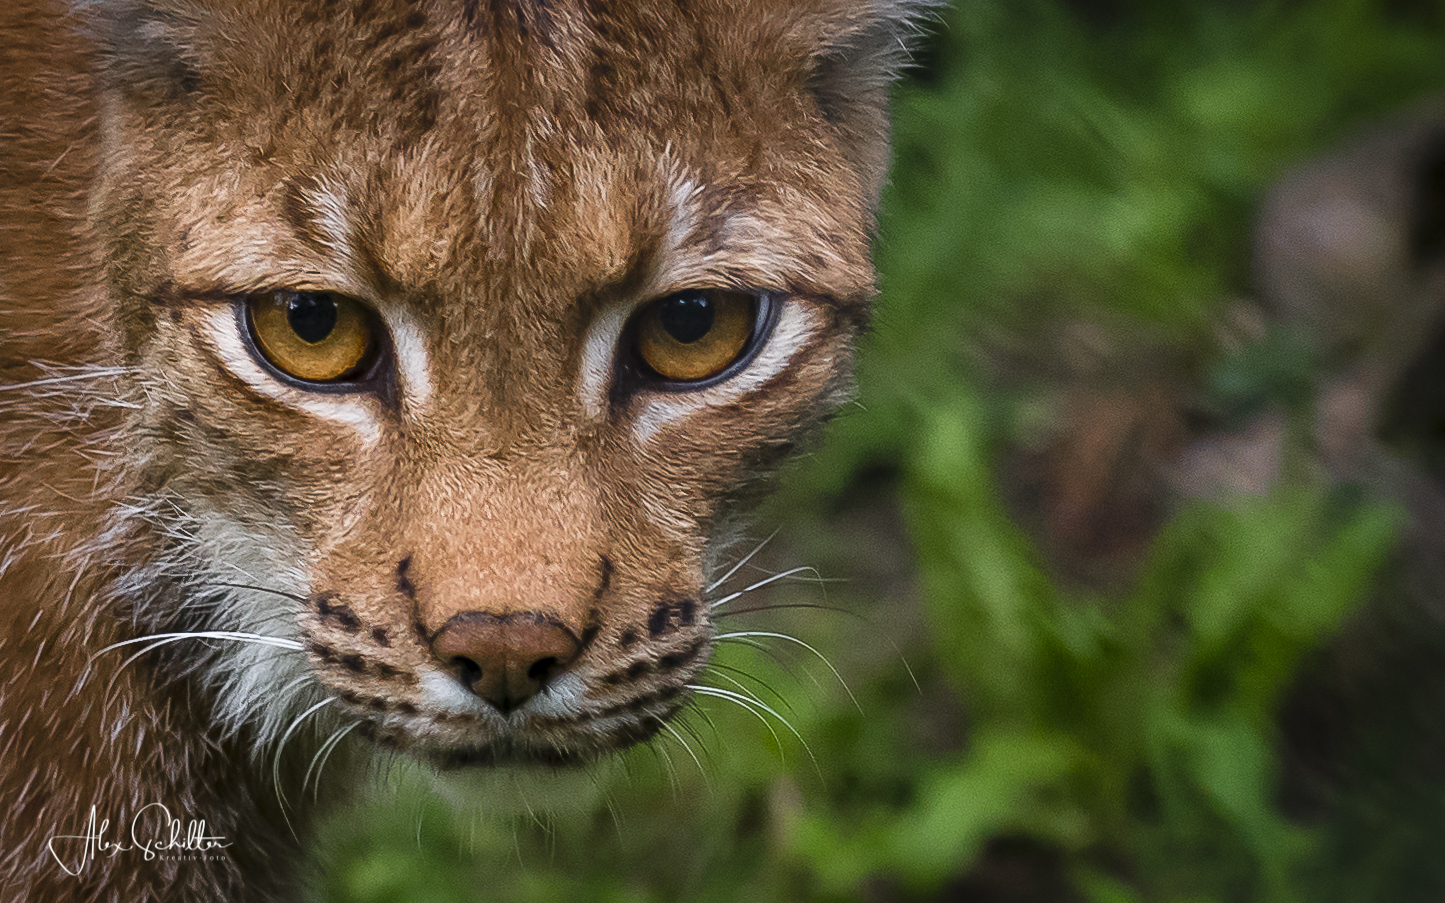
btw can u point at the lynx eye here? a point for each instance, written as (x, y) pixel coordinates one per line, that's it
(315, 337)
(695, 335)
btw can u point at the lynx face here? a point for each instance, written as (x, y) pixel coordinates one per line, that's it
(457, 337)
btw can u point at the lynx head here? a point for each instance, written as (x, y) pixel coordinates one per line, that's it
(460, 333)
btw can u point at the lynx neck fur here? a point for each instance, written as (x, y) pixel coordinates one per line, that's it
(392, 374)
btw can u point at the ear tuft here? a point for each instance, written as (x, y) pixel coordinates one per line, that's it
(853, 70)
(870, 55)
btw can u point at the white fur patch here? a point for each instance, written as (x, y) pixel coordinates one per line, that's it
(333, 216)
(445, 693)
(356, 411)
(561, 698)
(797, 325)
(247, 578)
(599, 353)
(683, 192)
(413, 364)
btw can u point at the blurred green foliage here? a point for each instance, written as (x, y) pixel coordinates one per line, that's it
(1093, 165)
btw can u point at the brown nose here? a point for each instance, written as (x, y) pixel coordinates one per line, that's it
(505, 659)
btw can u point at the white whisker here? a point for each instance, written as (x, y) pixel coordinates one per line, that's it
(764, 582)
(746, 558)
(743, 688)
(756, 707)
(281, 746)
(318, 761)
(156, 640)
(238, 636)
(769, 634)
(282, 695)
(686, 747)
(99, 373)
(660, 752)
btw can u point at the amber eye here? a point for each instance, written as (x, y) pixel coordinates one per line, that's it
(315, 337)
(694, 335)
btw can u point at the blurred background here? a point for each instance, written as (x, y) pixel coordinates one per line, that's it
(1126, 573)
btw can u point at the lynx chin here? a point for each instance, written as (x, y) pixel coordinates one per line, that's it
(391, 375)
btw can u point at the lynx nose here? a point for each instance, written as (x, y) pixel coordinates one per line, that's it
(505, 659)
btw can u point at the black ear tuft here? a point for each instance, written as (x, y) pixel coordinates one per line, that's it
(147, 47)
(868, 57)
(853, 71)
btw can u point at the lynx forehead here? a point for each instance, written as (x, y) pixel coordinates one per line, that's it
(399, 370)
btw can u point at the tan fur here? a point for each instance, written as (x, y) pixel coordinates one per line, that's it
(501, 179)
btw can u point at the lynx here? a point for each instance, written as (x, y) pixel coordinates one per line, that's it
(392, 374)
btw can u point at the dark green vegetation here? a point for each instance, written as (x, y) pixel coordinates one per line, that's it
(1096, 708)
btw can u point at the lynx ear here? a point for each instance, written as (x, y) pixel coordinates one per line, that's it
(854, 67)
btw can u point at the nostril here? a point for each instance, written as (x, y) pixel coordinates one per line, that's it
(542, 669)
(469, 671)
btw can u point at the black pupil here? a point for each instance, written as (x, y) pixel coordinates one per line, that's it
(687, 318)
(312, 315)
